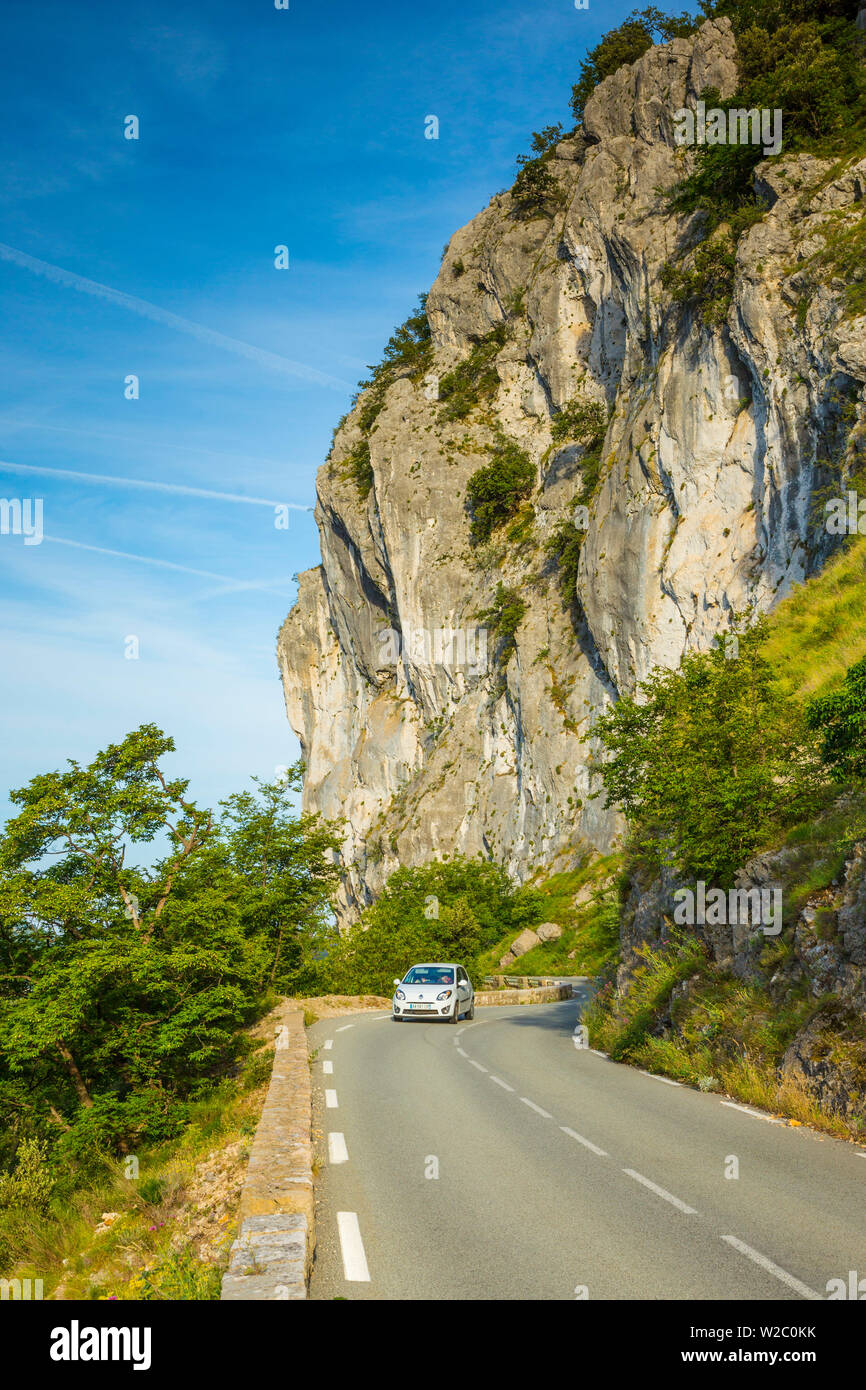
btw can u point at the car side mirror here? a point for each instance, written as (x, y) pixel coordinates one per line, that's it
(398, 982)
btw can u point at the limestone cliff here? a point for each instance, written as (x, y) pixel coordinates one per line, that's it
(702, 506)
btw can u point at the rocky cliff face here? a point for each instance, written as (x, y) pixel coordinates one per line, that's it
(702, 507)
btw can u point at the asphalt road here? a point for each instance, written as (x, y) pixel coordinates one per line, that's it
(497, 1160)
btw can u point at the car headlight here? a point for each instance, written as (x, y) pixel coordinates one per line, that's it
(446, 994)
(399, 994)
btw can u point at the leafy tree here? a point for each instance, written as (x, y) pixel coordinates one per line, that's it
(123, 990)
(805, 59)
(450, 910)
(840, 718)
(708, 762)
(286, 869)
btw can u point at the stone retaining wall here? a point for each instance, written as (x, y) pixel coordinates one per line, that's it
(543, 994)
(271, 1257)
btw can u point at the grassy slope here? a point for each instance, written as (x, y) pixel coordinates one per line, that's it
(134, 1258)
(590, 929)
(729, 1035)
(819, 630)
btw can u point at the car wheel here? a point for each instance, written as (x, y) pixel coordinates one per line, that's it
(397, 1018)
(455, 1017)
(471, 1014)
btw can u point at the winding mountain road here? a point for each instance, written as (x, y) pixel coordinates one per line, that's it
(498, 1160)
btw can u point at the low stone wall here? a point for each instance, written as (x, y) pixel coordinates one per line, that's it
(544, 994)
(271, 1257)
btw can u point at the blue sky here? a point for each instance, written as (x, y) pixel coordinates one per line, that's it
(258, 127)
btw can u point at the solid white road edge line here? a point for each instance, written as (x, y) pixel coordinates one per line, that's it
(661, 1192)
(602, 1153)
(337, 1151)
(655, 1077)
(747, 1110)
(352, 1248)
(774, 1269)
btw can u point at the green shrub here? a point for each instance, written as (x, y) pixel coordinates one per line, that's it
(806, 60)
(475, 378)
(564, 546)
(580, 420)
(360, 468)
(152, 1190)
(707, 284)
(502, 619)
(30, 1183)
(494, 492)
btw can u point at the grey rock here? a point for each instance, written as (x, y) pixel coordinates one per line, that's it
(703, 506)
(524, 942)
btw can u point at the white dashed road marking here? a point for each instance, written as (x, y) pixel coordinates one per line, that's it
(327, 1068)
(462, 1053)
(329, 1043)
(344, 1026)
(602, 1153)
(774, 1269)
(505, 1086)
(331, 1100)
(337, 1151)
(352, 1247)
(477, 1065)
(660, 1192)
(537, 1108)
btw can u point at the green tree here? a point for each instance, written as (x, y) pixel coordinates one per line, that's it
(840, 718)
(708, 762)
(124, 989)
(286, 873)
(449, 910)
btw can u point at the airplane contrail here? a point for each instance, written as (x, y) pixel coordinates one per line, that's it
(153, 486)
(145, 309)
(164, 564)
(42, 426)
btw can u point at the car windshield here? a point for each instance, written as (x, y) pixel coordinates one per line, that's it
(429, 975)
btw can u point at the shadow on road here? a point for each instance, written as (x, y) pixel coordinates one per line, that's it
(553, 1018)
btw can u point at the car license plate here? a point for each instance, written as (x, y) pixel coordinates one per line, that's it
(425, 1008)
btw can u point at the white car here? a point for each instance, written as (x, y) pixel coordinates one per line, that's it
(434, 991)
